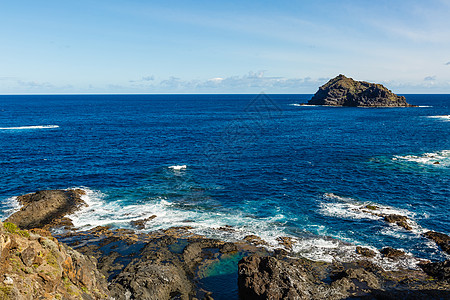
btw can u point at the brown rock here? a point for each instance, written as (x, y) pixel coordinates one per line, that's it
(44, 207)
(441, 239)
(140, 224)
(46, 269)
(286, 241)
(439, 270)
(391, 252)
(365, 251)
(254, 239)
(28, 256)
(399, 220)
(228, 247)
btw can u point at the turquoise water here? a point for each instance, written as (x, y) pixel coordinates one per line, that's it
(259, 163)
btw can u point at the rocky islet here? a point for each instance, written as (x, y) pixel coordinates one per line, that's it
(344, 91)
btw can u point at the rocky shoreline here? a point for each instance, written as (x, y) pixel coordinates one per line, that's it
(175, 263)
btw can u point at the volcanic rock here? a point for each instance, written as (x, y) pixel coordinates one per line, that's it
(288, 278)
(344, 91)
(39, 267)
(365, 251)
(441, 239)
(391, 252)
(140, 224)
(439, 270)
(399, 220)
(47, 208)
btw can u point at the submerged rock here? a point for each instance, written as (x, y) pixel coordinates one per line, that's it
(344, 91)
(47, 208)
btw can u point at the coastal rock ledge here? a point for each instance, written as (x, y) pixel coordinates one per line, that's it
(344, 91)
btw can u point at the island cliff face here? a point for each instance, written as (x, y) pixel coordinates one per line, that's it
(344, 91)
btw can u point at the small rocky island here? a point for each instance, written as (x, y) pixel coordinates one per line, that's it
(344, 91)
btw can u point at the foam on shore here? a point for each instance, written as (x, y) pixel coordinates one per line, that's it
(235, 226)
(8, 207)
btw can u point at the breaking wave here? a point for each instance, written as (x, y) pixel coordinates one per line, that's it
(30, 127)
(439, 158)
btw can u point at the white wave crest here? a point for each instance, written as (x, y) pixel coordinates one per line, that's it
(301, 104)
(178, 167)
(442, 117)
(439, 158)
(9, 206)
(30, 127)
(207, 223)
(349, 208)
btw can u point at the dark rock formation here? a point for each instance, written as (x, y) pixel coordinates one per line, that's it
(33, 266)
(399, 220)
(365, 252)
(287, 278)
(439, 270)
(391, 252)
(140, 224)
(441, 239)
(47, 208)
(164, 264)
(344, 91)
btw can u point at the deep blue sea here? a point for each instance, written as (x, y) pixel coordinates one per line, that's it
(259, 163)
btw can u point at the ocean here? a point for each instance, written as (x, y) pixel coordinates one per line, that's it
(262, 164)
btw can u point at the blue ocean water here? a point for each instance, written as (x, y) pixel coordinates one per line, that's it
(259, 163)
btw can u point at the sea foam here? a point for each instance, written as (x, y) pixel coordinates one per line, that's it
(8, 207)
(30, 127)
(178, 167)
(301, 104)
(441, 117)
(439, 158)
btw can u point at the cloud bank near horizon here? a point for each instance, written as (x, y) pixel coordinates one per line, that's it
(252, 82)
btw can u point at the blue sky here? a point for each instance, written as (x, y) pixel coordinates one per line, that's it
(109, 46)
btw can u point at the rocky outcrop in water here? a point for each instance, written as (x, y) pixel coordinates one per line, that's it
(47, 208)
(441, 239)
(37, 266)
(344, 91)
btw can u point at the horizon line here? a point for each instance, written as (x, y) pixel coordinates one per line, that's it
(78, 94)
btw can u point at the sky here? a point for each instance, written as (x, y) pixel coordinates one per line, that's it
(138, 46)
